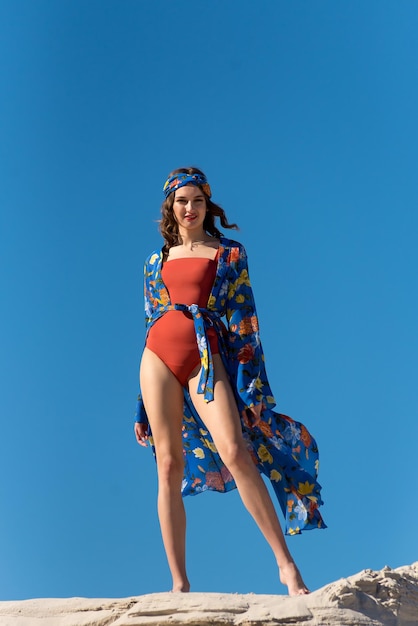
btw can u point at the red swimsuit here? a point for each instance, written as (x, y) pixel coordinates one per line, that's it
(172, 337)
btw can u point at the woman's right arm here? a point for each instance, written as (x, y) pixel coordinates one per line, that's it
(244, 342)
(141, 420)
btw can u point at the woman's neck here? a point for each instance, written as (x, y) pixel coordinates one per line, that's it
(190, 239)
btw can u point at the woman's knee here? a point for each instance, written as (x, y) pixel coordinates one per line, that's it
(170, 469)
(235, 456)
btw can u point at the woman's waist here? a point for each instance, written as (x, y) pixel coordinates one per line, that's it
(185, 316)
(178, 326)
(201, 317)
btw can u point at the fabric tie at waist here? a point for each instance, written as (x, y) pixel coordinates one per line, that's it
(201, 318)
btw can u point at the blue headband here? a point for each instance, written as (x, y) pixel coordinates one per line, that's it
(180, 180)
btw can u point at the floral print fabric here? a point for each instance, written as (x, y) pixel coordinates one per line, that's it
(282, 449)
(183, 178)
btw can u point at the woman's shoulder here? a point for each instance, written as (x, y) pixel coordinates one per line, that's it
(234, 251)
(231, 243)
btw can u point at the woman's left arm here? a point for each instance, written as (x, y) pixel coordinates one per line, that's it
(244, 344)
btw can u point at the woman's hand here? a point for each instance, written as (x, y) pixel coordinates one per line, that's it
(252, 416)
(141, 434)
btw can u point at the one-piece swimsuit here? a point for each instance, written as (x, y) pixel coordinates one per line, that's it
(172, 337)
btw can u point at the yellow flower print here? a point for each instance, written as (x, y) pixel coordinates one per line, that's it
(240, 298)
(264, 454)
(203, 432)
(305, 488)
(232, 289)
(243, 279)
(294, 531)
(154, 258)
(270, 399)
(211, 446)
(211, 302)
(164, 299)
(275, 475)
(199, 454)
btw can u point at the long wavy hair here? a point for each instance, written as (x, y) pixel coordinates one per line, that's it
(168, 225)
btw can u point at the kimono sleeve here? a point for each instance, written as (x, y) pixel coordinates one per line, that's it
(244, 347)
(140, 414)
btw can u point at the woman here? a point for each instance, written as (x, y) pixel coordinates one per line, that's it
(205, 395)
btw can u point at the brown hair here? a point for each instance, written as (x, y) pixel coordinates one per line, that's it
(168, 226)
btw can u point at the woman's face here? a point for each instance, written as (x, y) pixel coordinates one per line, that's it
(189, 207)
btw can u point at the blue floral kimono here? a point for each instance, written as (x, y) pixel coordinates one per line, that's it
(282, 448)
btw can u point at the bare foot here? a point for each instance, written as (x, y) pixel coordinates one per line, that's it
(291, 577)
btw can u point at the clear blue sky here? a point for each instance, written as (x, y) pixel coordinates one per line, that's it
(304, 117)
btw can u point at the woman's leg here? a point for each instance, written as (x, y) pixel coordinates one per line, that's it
(222, 420)
(163, 400)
